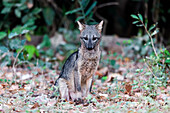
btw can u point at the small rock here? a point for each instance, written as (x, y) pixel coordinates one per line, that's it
(26, 76)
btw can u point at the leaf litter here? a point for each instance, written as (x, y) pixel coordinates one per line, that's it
(120, 92)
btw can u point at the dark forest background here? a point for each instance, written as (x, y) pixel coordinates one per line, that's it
(48, 16)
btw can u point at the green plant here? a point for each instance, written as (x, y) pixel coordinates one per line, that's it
(110, 62)
(13, 46)
(84, 12)
(139, 22)
(23, 11)
(158, 64)
(137, 47)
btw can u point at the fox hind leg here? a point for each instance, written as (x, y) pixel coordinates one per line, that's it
(63, 89)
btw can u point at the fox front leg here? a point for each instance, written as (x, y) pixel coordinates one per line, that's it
(86, 87)
(77, 81)
(89, 85)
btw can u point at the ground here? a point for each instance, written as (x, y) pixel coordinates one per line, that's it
(117, 92)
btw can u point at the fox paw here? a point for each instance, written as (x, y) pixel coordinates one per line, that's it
(78, 101)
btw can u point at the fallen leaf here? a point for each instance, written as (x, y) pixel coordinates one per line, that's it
(61, 58)
(103, 96)
(1, 86)
(99, 74)
(22, 89)
(9, 75)
(128, 87)
(4, 85)
(112, 76)
(2, 91)
(126, 59)
(26, 76)
(14, 87)
(71, 102)
(102, 72)
(35, 106)
(27, 87)
(51, 102)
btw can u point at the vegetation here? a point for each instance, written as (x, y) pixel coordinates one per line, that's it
(36, 37)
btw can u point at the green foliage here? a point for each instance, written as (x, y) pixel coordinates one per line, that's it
(158, 64)
(31, 50)
(2, 35)
(45, 43)
(111, 62)
(84, 12)
(22, 11)
(137, 47)
(19, 30)
(14, 44)
(49, 15)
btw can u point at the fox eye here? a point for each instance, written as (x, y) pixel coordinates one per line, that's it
(94, 38)
(85, 38)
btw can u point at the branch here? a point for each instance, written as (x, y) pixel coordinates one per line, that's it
(1, 57)
(102, 18)
(150, 69)
(13, 67)
(108, 4)
(150, 38)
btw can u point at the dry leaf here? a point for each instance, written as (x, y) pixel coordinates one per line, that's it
(111, 76)
(61, 58)
(102, 72)
(51, 102)
(126, 59)
(128, 87)
(4, 84)
(103, 96)
(27, 87)
(99, 74)
(2, 91)
(9, 75)
(35, 106)
(26, 76)
(13, 88)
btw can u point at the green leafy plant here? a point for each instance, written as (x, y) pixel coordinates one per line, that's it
(13, 46)
(137, 47)
(158, 64)
(31, 50)
(139, 22)
(84, 12)
(23, 11)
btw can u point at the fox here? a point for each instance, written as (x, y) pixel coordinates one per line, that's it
(76, 77)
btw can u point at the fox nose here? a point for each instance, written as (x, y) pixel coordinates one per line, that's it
(90, 46)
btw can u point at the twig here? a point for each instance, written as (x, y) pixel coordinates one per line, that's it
(13, 67)
(105, 21)
(3, 56)
(150, 38)
(108, 4)
(102, 18)
(22, 62)
(150, 69)
(55, 5)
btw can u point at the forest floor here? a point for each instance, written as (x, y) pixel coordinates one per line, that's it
(112, 92)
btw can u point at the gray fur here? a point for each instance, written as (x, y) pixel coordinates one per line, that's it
(90, 36)
(76, 77)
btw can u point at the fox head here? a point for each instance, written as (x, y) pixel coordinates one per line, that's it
(90, 35)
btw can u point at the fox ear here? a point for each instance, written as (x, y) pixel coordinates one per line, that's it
(81, 26)
(100, 26)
